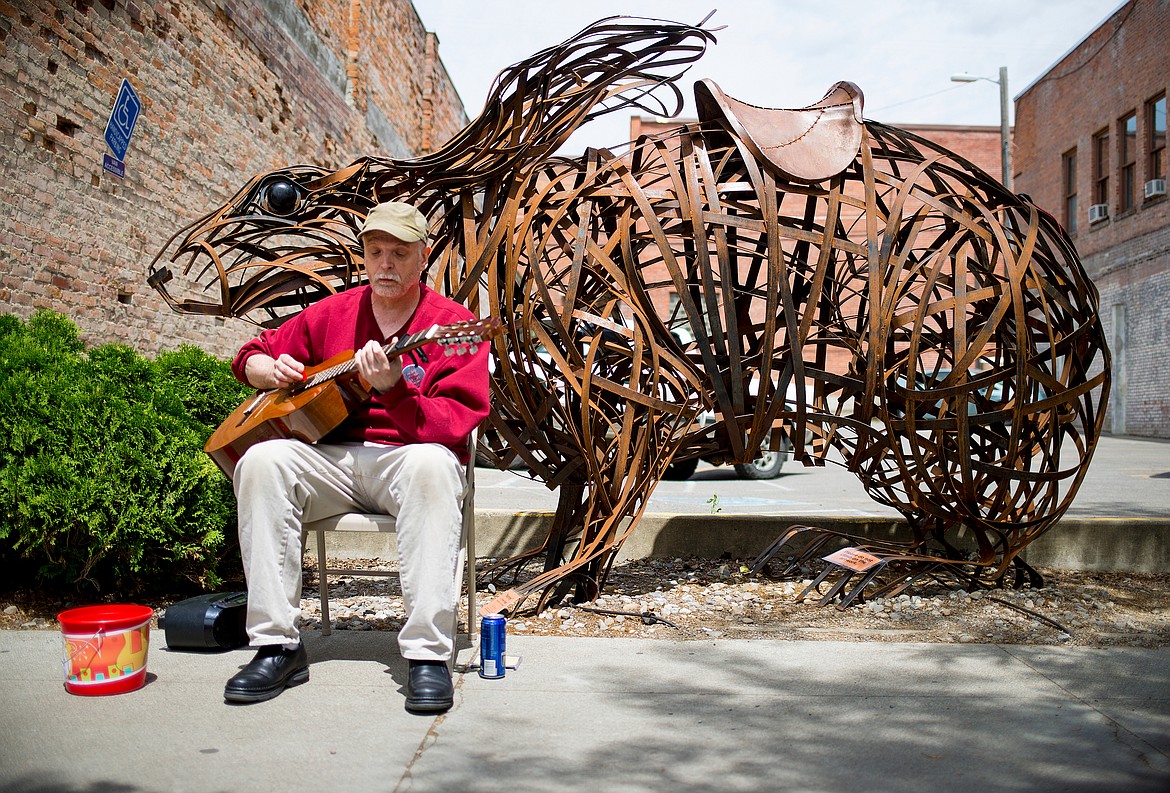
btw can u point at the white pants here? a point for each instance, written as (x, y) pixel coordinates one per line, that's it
(281, 484)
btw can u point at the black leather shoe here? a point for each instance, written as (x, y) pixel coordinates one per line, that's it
(272, 670)
(428, 687)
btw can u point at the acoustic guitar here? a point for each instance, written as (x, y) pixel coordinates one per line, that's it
(328, 394)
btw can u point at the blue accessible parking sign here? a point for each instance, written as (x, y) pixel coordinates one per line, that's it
(122, 120)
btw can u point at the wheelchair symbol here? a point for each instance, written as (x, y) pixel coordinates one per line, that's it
(123, 117)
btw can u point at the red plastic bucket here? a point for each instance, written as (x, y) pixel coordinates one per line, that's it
(105, 648)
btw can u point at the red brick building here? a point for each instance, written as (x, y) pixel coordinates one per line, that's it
(229, 88)
(1090, 147)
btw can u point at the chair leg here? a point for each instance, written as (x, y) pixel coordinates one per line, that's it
(323, 583)
(459, 561)
(472, 627)
(469, 541)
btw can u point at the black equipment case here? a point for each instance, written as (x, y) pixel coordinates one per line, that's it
(207, 622)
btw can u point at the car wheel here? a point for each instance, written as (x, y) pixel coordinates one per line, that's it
(676, 472)
(766, 466)
(484, 460)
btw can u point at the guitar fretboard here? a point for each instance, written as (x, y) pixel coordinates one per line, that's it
(399, 347)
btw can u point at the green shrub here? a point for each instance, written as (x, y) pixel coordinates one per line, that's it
(103, 481)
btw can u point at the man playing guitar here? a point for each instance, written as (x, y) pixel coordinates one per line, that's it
(399, 453)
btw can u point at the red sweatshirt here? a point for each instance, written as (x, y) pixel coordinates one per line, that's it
(449, 402)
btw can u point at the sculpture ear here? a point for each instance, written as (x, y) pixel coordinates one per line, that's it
(809, 144)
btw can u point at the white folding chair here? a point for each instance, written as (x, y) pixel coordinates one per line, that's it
(358, 521)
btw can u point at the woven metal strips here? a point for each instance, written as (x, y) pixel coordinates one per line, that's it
(906, 316)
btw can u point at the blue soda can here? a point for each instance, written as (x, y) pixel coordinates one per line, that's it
(492, 641)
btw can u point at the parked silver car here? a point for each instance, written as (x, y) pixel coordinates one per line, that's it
(767, 466)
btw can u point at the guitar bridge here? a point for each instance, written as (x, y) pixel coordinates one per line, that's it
(256, 400)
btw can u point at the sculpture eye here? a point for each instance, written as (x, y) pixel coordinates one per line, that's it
(280, 198)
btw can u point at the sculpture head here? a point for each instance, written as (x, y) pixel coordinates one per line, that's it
(289, 237)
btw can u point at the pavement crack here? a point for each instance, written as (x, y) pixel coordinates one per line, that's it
(1139, 745)
(406, 781)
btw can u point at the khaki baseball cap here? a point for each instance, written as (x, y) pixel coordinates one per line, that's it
(398, 219)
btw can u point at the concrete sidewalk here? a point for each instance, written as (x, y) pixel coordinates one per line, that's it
(606, 715)
(643, 714)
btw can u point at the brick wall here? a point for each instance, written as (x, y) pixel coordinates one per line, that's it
(229, 88)
(1115, 71)
(979, 144)
(1133, 279)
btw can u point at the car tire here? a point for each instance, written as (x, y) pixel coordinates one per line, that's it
(484, 460)
(677, 472)
(766, 466)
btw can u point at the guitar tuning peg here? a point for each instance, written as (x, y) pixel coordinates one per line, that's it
(472, 348)
(448, 351)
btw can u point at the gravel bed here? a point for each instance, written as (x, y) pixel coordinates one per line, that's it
(696, 599)
(710, 599)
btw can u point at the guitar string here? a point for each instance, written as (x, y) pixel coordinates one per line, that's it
(447, 341)
(468, 339)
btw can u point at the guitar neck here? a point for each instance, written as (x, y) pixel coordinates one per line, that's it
(392, 350)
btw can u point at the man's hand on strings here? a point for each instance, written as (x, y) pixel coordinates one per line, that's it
(266, 373)
(378, 370)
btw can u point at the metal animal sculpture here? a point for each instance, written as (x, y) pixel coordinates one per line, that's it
(937, 331)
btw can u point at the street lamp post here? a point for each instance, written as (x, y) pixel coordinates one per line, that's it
(1004, 132)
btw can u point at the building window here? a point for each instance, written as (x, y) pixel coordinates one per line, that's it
(1100, 207)
(1101, 168)
(1127, 162)
(1069, 171)
(1156, 125)
(677, 322)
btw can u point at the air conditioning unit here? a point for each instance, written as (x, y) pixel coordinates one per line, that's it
(1098, 212)
(1155, 187)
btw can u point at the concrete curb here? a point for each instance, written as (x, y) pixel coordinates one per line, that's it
(1140, 545)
